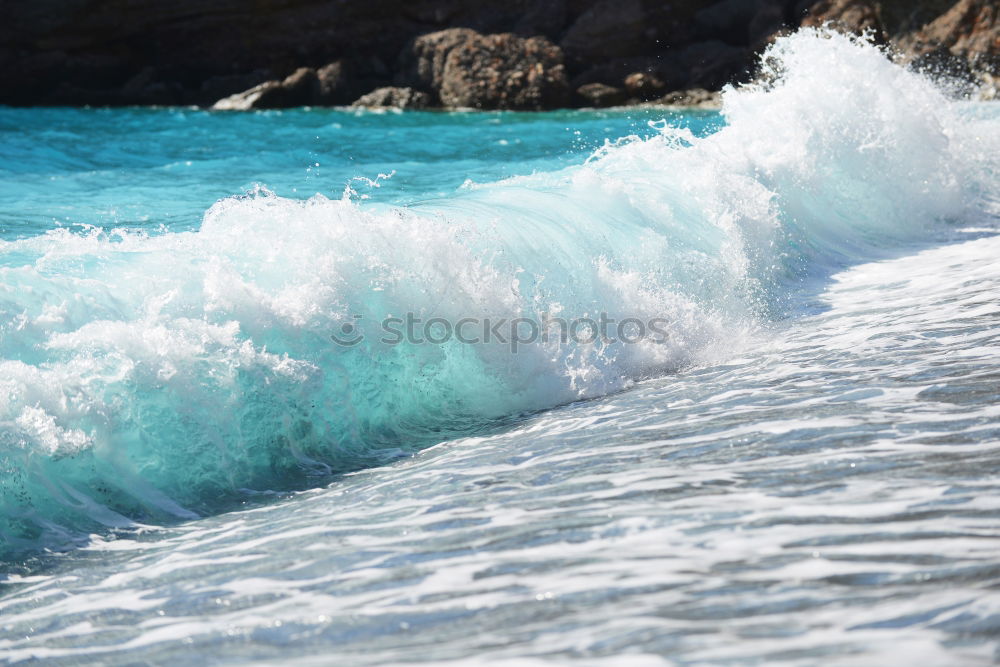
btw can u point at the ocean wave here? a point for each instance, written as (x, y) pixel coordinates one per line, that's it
(150, 378)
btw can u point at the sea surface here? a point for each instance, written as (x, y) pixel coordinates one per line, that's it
(210, 451)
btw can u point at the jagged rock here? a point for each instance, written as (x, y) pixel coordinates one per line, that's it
(850, 16)
(644, 85)
(247, 99)
(694, 97)
(96, 52)
(970, 29)
(297, 89)
(609, 29)
(423, 61)
(391, 97)
(960, 48)
(599, 95)
(218, 87)
(333, 85)
(466, 69)
(504, 72)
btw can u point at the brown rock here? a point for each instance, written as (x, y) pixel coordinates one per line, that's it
(698, 98)
(599, 95)
(392, 97)
(970, 29)
(218, 87)
(333, 84)
(425, 57)
(849, 16)
(503, 72)
(298, 89)
(644, 86)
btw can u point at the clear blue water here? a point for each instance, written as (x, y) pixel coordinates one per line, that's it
(147, 168)
(803, 469)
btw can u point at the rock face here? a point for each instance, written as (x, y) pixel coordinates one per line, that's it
(424, 60)
(504, 72)
(335, 85)
(327, 86)
(600, 95)
(464, 69)
(644, 85)
(298, 89)
(969, 30)
(516, 54)
(697, 98)
(851, 16)
(392, 97)
(963, 46)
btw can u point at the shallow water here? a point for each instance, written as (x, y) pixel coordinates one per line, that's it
(805, 472)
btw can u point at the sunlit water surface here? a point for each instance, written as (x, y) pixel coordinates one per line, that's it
(807, 473)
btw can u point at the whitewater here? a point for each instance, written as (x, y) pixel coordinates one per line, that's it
(804, 469)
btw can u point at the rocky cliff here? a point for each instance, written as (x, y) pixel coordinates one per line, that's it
(518, 54)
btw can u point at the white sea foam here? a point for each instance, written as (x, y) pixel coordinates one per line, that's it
(151, 375)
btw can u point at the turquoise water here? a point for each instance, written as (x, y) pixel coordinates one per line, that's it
(210, 448)
(106, 218)
(147, 168)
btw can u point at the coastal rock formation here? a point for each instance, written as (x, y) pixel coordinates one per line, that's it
(503, 71)
(335, 84)
(327, 86)
(962, 45)
(392, 97)
(599, 95)
(298, 89)
(969, 30)
(698, 98)
(423, 61)
(476, 53)
(644, 86)
(851, 16)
